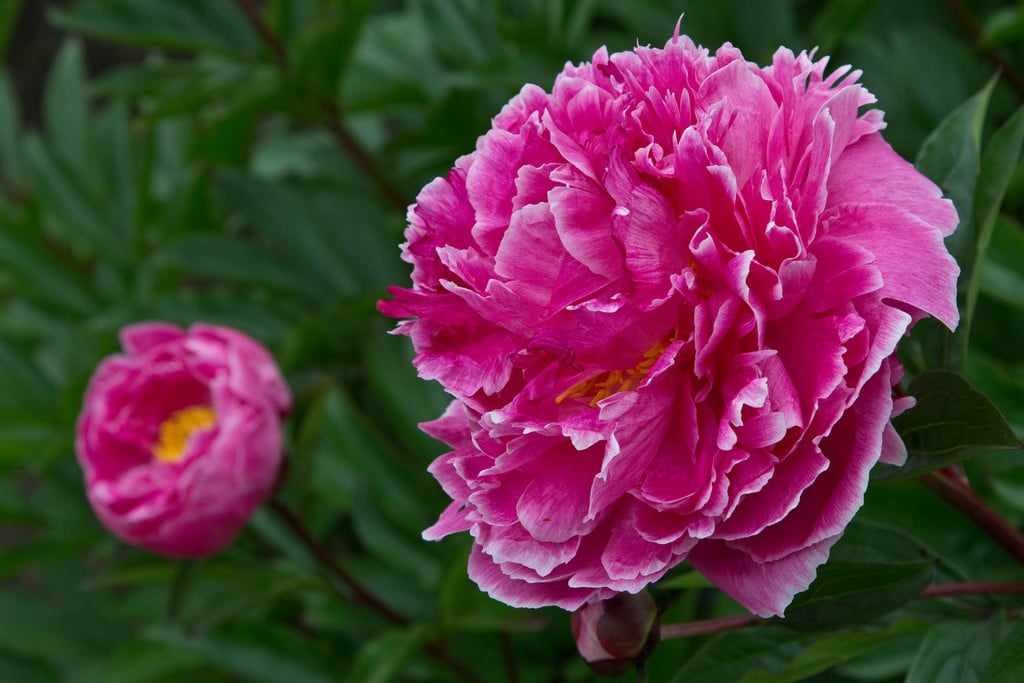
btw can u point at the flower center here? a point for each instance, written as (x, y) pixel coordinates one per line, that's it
(176, 430)
(604, 384)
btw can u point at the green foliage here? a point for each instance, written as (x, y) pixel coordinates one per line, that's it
(253, 170)
(949, 423)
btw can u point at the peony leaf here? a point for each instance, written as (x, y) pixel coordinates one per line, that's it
(381, 659)
(997, 166)
(872, 570)
(1002, 26)
(850, 593)
(833, 650)
(1003, 284)
(322, 51)
(65, 104)
(951, 422)
(225, 258)
(283, 216)
(957, 652)
(9, 12)
(951, 157)
(261, 653)
(1008, 661)
(10, 129)
(728, 656)
(186, 26)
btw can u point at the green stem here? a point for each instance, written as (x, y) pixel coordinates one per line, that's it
(182, 580)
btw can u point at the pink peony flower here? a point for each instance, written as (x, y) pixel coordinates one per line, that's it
(180, 438)
(666, 298)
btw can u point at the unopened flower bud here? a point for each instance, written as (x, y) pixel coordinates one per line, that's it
(611, 635)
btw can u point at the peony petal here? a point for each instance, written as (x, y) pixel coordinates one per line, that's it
(519, 593)
(764, 588)
(870, 172)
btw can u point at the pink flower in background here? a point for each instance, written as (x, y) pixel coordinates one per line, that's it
(666, 299)
(180, 437)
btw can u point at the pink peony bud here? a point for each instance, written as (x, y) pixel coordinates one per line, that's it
(612, 634)
(180, 437)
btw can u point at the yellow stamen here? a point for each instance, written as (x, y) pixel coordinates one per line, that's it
(176, 430)
(604, 384)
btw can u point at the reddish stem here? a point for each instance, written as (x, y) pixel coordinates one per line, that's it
(252, 12)
(436, 648)
(708, 626)
(933, 592)
(962, 497)
(948, 590)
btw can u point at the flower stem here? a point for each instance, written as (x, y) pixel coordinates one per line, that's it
(183, 578)
(933, 592)
(334, 120)
(970, 26)
(362, 159)
(435, 648)
(962, 497)
(324, 556)
(252, 12)
(948, 590)
(708, 626)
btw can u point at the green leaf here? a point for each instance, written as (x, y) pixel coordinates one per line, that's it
(321, 52)
(1008, 662)
(140, 661)
(729, 656)
(690, 579)
(1001, 157)
(871, 571)
(282, 216)
(951, 157)
(390, 475)
(837, 19)
(19, 670)
(175, 24)
(850, 593)
(835, 649)
(956, 652)
(380, 660)
(950, 422)
(10, 131)
(65, 106)
(71, 208)
(41, 275)
(1002, 284)
(9, 13)
(223, 258)
(260, 653)
(1002, 26)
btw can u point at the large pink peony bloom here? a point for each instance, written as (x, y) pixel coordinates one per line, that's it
(180, 438)
(666, 298)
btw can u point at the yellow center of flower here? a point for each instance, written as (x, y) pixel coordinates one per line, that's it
(604, 384)
(175, 431)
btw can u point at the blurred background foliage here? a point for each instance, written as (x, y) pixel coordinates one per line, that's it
(249, 164)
